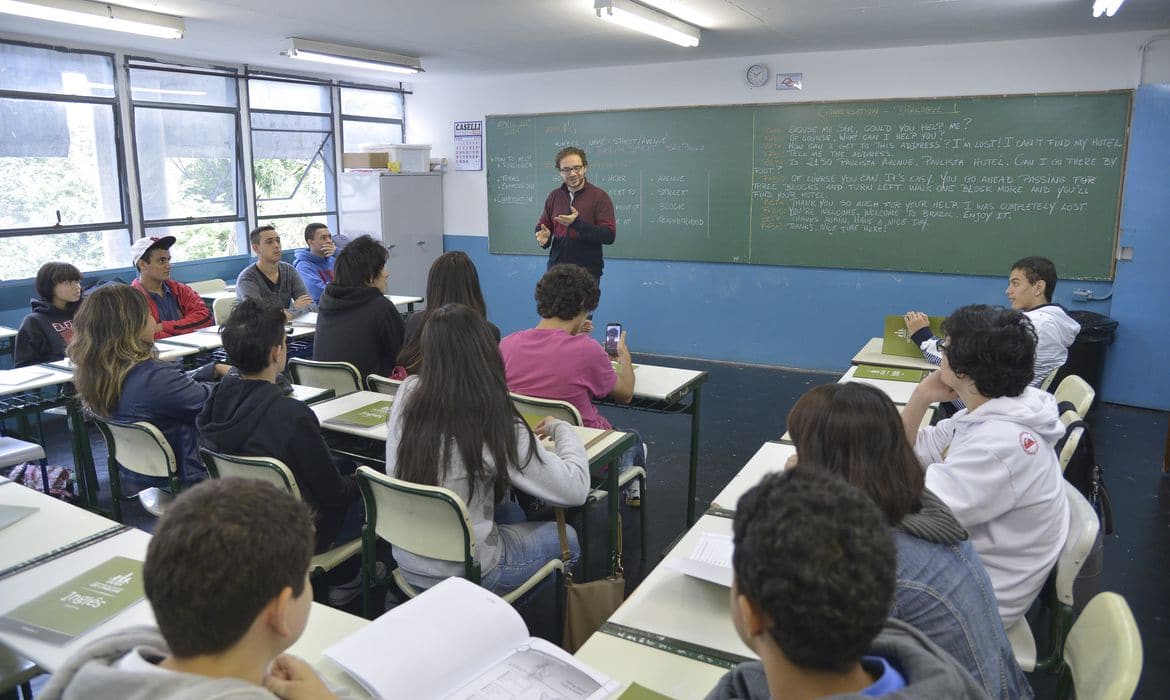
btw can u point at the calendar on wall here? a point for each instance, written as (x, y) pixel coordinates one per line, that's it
(469, 145)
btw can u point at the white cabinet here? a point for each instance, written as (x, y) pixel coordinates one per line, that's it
(405, 211)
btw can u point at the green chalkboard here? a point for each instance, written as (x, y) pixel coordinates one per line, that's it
(956, 185)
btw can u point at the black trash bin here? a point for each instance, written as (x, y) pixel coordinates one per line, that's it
(1086, 356)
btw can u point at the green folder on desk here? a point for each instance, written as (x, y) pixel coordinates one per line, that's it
(896, 339)
(894, 374)
(365, 417)
(80, 604)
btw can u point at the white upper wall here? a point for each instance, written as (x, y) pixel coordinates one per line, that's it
(1067, 64)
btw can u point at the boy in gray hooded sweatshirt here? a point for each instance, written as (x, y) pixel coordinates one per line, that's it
(814, 579)
(226, 576)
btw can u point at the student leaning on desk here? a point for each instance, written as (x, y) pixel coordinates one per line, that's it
(226, 576)
(46, 331)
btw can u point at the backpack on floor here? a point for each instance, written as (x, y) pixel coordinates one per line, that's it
(1086, 474)
(60, 480)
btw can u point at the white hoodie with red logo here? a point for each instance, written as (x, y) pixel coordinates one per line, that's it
(996, 469)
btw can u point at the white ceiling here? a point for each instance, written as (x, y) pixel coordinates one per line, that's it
(456, 37)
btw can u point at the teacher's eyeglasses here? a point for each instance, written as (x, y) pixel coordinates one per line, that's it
(572, 170)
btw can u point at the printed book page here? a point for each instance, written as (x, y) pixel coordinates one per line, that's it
(537, 670)
(710, 560)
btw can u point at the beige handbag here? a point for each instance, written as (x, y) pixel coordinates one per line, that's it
(588, 605)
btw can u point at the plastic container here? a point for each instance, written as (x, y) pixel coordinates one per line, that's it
(413, 158)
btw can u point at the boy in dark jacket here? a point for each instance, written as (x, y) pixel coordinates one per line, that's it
(48, 329)
(250, 415)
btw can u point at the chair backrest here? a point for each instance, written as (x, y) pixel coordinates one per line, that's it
(1104, 650)
(534, 409)
(139, 447)
(383, 385)
(208, 286)
(267, 469)
(1076, 391)
(1048, 379)
(1083, 527)
(222, 308)
(1070, 447)
(342, 377)
(429, 521)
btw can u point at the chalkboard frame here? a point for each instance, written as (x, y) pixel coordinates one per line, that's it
(1114, 207)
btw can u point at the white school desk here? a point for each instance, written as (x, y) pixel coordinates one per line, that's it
(407, 301)
(54, 525)
(310, 394)
(206, 339)
(8, 340)
(871, 354)
(771, 457)
(899, 392)
(684, 610)
(603, 448)
(666, 672)
(211, 297)
(166, 351)
(664, 390)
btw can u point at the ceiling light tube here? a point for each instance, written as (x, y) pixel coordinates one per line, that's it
(99, 15)
(639, 17)
(338, 55)
(1106, 7)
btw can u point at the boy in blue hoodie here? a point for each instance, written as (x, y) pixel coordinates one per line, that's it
(315, 263)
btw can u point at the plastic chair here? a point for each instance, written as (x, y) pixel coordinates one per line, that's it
(1084, 525)
(1048, 378)
(1070, 447)
(342, 377)
(1103, 652)
(141, 448)
(1076, 391)
(428, 521)
(533, 409)
(14, 452)
(277, 473)
(222, 308)
(208, 286)
(383, 385)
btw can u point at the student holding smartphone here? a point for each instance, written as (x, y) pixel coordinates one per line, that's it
(578, 217)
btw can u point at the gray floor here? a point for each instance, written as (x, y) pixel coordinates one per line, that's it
(743, 406)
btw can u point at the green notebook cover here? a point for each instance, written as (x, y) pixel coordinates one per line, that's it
(641, 692)
(895, 374)
(80, 604)
(365, 417)
(896, 339)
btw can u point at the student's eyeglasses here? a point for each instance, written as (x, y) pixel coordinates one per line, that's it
(572, 170)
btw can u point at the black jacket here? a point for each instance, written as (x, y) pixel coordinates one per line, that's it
(44, 333)
(360, 326)
(254, 418)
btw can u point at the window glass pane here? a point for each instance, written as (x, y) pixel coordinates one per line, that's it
(59, 72)
(357, 135)
(292, 229)
(202, 241)
(22, 256)
(290, 171)
(288, 97)
(371, 103)
(292, 122)
(186, 163)
(183, 88)
(57, 157)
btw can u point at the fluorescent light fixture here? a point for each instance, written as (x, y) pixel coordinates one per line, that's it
(99, 15)
(338, 55)
(639, 17)
(1106, 7)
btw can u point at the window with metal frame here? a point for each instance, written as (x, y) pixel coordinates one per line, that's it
(60, 161)
(371, 117)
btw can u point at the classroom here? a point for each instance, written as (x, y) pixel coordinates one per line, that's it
(751, 334)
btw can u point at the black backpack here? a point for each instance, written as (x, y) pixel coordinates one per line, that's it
(1086, 475)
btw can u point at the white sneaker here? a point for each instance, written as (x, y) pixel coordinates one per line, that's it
(343, 593)
(154, 500)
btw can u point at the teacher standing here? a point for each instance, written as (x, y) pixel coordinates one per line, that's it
(578, 217)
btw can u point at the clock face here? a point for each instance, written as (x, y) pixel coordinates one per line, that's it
(757, 75)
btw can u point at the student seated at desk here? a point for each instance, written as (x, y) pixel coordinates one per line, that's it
(270, 280)
(119, 378)
(559, 360)
(993, 462)
(854, 431)
(226, 574)
(814, 573)
(1031, 282)
(178, 308)
(250, 415)
(315, 260)
(356, 323)
(46, 331)
(454, 425)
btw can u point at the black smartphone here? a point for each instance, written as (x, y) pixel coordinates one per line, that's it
(613, 333)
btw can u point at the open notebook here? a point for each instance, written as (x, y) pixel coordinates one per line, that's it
(459, 641)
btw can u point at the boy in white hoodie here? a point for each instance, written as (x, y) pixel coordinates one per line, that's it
(993, 462)
(226, 574)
